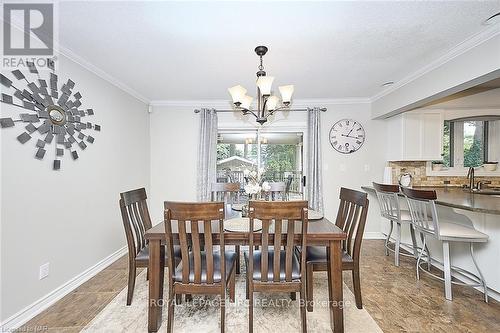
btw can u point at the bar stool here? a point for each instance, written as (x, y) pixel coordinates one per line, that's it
(420, 204)
(388, 200)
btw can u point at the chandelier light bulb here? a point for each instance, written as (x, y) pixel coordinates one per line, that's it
(246, 101)
(237, 94)
(264, 83)
(272, 103)
(286, 93)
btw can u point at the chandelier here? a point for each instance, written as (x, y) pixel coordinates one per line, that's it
(267, 104)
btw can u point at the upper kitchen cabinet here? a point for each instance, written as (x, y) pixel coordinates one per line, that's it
(416, 136)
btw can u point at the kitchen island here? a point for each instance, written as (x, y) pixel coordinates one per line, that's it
(457, 205)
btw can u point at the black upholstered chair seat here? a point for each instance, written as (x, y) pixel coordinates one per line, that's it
(230, 258)
(317, 254)
(144, 253)
(270, 273)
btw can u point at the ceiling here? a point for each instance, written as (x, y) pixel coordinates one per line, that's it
(189, 51)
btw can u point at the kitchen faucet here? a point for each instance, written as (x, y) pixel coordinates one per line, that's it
(470, 177)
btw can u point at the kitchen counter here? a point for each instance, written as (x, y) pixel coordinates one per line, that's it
(456, 197)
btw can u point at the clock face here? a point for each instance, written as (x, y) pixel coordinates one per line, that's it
(347, 136)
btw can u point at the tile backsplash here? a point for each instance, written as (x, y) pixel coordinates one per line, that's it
(418, 170)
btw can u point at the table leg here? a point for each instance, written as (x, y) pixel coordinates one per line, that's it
(335, 286)
(156, 276)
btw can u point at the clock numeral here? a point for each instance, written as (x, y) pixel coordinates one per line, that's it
(335, 143)
(358, 142)
(340, 147)
(340, 125)
(347, 122)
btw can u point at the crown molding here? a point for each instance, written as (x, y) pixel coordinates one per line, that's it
(456, 51)
(68, 53)
(100, 73)
(226, 104)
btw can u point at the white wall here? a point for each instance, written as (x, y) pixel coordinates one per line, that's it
(70, 217)
(174, 142)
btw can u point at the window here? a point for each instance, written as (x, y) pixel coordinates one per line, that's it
(276, 156)
(465, 143)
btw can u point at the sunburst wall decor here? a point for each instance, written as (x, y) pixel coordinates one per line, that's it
(55, 115)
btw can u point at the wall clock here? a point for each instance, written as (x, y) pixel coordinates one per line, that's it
(52, 112)
(347, 136)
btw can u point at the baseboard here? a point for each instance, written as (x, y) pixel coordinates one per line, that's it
(23, 316)
(373, 235)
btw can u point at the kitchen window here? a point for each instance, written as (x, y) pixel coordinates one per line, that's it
(465, 143)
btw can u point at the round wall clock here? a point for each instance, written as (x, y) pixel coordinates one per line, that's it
(347, 136)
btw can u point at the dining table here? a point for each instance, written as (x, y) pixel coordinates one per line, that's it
(320, 232)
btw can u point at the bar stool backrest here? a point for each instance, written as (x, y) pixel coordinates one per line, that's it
(423, 210)
(388, 201)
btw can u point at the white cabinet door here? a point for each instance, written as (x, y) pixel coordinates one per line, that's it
(412, 136)
(416, 136)
(432, 135)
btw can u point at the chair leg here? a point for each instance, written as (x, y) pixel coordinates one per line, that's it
(147, 274)
(387, 240)
(420, 255)
(447, 270)
(250, 308)
(178, 299)
(247, 290)
(398, 244)
(413, 241)
(131, 282)
(483, 281)
(309, 287)
(222, 313)
(237, 251)
(357, 286)
(303, 310)
(170, 310)
(232, 286)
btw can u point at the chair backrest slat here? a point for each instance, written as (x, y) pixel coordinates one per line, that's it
(277, 249)
(183, 242)
(351, 218)
(207, 229)
(136, 219)
(283, 216)
(290, 235)
(423, 211)
(194, 242)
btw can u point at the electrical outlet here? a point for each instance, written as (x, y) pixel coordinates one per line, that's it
(44, 271)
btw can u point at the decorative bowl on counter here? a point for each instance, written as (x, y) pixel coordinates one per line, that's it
(490, 166)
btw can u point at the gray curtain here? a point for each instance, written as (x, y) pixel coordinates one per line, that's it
(314, 180)
(207, 153)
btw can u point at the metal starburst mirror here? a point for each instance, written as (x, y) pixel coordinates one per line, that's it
(52, 111)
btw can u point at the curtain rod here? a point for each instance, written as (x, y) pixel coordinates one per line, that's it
(230, 110)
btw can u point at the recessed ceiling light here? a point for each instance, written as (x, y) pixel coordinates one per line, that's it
(387, 84)
(492, 19)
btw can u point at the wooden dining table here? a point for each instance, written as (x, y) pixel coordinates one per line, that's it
(320, 232)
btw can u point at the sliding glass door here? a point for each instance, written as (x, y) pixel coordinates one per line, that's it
(276, 156)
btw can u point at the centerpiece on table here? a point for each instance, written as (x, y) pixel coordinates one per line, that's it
(254, 187)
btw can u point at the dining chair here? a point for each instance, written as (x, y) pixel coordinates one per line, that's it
(230, 194)
(277, 189)
(227, 192)
(271, 270)
(136, 220)
(199, 271)
(423, 202)
(390, 208)
(351, 218)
